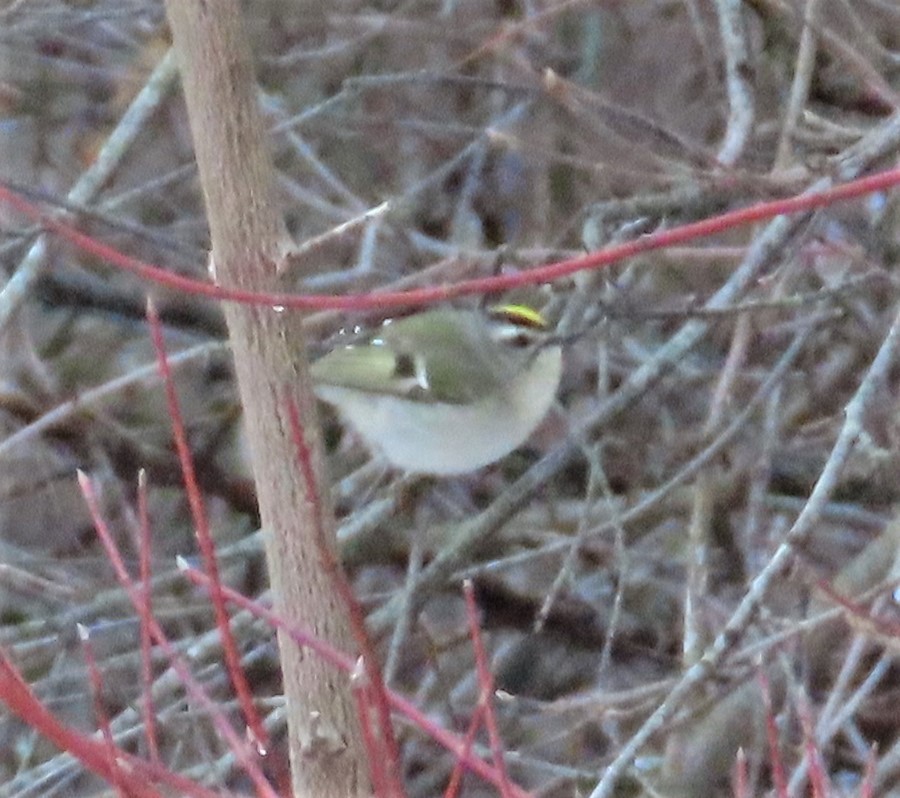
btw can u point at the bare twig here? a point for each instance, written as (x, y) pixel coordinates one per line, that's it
(132, 123)
(797, 536)
(738, 81)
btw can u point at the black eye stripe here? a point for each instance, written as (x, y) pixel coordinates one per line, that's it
(520, 341)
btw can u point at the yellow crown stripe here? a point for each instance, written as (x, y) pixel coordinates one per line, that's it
(522, 315)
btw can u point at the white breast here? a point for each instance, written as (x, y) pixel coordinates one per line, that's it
(452, 439)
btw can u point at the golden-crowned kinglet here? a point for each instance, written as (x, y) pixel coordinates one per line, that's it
(445, 391)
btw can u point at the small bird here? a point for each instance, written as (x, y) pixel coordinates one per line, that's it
(445, 391)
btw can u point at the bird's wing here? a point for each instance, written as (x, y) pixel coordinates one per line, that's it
(363, 367)
(452, 362)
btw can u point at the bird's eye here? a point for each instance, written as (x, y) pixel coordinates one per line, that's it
(520, 340)
(404, 366)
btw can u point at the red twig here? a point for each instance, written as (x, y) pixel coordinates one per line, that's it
(867, 787)
(409, 710)
(96, 680)
(194, 690)
(204, 538)
(136, 778)
(817, 776)
(300, 636)
(145, 614)
(455, 783)
(867, 618)
(379, 772)
(739, 777)
(497, 284)
(389, 752)
(486, 683)
(779, 778)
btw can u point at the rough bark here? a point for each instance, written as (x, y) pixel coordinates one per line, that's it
(248, 241)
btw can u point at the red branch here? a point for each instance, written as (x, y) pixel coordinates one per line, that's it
(816, 768)
(96, 680)
(129, 772)
(739, 779)
(880, 181)
(486, 683)
(406, 708)
(145, 614)
(204, 537)
(388, 755)
(193, 688)
(779, 778)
